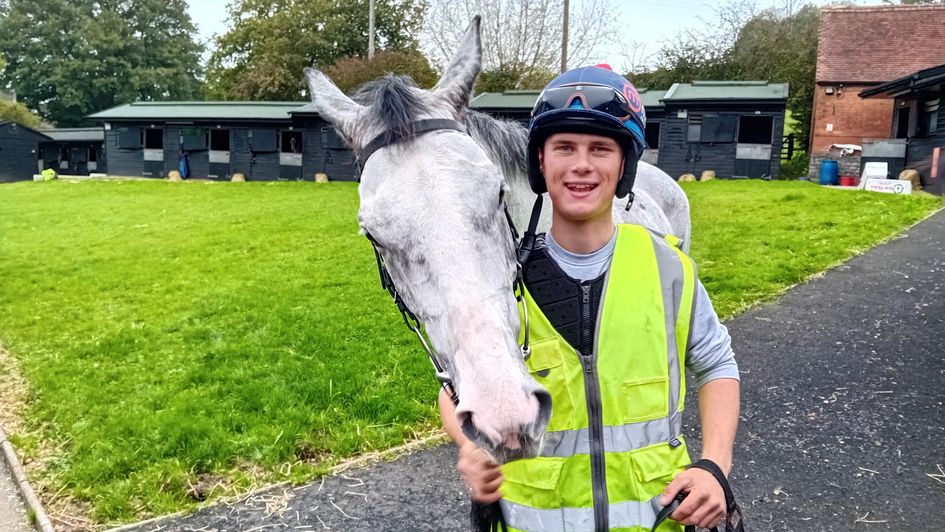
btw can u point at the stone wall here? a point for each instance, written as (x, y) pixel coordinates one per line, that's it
(849, 164)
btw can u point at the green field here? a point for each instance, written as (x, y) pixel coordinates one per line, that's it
(232, 334)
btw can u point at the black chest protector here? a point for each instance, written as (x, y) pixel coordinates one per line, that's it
(570, 305)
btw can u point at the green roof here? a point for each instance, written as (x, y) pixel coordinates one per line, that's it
(726, 90)
(525, 99)
(200, 111)
(521, 99)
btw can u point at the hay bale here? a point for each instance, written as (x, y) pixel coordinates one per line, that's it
(707, 175)
(911, 175)
(237, 178)
(49, 174)
(321, 177)
(687, 178)
(174, 176)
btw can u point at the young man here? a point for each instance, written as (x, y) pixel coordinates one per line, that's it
(615, 314)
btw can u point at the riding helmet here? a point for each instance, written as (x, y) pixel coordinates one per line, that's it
(592, 100)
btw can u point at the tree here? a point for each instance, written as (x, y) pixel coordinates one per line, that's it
(19, 113)
(269, 42)
(351, 72)
(778, 45)
(521, 39)
(68, 58)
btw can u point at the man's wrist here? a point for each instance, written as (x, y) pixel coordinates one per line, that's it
(725, 464)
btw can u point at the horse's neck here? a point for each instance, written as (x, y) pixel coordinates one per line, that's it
(520, 199)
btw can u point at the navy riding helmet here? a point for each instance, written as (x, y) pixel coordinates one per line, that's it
(592, 100)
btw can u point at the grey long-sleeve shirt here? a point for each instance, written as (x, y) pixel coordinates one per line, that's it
(709, 355)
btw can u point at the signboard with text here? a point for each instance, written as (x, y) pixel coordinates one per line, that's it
(889, 186)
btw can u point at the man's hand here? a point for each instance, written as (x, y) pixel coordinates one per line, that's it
(704, 506)
(480, 473)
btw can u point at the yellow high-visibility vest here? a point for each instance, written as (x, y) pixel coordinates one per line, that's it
(614, 440)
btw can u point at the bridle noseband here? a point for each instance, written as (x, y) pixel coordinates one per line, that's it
(387, 283)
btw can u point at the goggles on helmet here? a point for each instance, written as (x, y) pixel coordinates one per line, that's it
(594, 97)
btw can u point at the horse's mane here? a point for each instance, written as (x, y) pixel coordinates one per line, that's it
(394, 102)
(505, 142)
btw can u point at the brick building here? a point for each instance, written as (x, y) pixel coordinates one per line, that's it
(860, 48)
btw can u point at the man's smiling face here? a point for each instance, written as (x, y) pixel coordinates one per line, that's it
(581, 172)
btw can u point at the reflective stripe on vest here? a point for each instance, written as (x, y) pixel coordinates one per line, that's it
(628, 514)
(643, 330)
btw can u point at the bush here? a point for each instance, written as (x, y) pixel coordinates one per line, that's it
(795, 168)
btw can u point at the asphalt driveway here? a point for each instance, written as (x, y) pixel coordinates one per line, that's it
(842, 421)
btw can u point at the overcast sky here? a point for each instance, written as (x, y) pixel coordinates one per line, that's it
(649, 22)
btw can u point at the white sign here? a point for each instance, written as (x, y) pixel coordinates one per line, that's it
(889, 186)
(875, 169)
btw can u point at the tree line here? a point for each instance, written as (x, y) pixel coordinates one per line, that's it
(65, 59)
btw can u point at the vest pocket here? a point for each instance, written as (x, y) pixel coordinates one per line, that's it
(533, 482)
(645, 399)
(546, 354)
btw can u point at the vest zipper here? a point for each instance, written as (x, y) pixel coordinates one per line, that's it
(594, 416)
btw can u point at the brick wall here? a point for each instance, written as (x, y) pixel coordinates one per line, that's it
(852, 118)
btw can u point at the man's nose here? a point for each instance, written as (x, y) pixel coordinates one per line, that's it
(582, 161)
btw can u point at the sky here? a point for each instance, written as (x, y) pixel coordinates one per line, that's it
(648, 22)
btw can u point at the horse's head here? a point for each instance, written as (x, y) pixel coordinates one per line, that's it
(433, 203)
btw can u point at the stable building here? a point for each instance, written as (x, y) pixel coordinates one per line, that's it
(917, 126)
(858, 49)
(264, 141)
(19, 151)
(734, 128)
(74, 151)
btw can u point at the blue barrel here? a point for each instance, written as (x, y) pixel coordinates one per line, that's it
(829, 173)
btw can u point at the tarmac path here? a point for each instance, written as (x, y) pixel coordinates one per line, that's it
(842, 418)
(12, 510)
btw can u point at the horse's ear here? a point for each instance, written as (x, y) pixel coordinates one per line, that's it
(332, 104)
(456, 84)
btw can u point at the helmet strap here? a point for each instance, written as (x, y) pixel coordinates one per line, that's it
(528, 239)
(630, 197)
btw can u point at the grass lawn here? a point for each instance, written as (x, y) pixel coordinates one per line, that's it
(225, 335)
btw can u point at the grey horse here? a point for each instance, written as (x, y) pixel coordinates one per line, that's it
(434, 205)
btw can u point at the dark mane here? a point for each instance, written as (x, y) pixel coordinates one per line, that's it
(393, 102)
(505, 142)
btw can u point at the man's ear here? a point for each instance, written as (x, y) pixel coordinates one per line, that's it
(541, 160)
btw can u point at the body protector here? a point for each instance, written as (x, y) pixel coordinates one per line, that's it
(614, 439)
(592, 100)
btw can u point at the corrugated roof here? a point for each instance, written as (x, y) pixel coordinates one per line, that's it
(878, 44)
(75, 134)
(726, 90)
(933, 78)
(200, 111)
(525, 99)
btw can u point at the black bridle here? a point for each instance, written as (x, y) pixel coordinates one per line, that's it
(387, 283)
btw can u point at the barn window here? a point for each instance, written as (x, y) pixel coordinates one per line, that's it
(220, 139)
(154, 139)
(652, 135)
(129, 138)
(930, 116)
(755, 129)
(93, 155)
(718, 129)
(291, 142)
(694, 132)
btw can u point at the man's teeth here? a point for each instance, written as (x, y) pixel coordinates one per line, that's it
(581, 188)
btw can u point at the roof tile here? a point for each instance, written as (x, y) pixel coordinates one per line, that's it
(880, 43)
